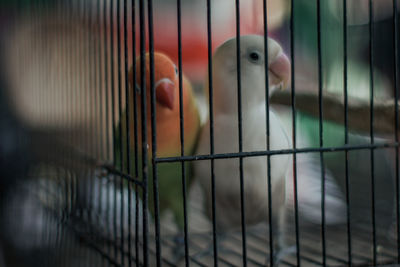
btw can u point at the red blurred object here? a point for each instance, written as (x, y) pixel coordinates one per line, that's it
(194, 29)
(194, 41)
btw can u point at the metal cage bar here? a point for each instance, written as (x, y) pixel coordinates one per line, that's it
(211, 114)
(321, 131)
(293, 103)
(396, 133)
(371, 58)
(267, 123)
(181, 133)
(239, 96)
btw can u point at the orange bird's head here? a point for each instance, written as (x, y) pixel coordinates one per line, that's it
(165, 79)
(166, 84)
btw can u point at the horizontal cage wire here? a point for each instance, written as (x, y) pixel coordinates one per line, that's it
(199, 133)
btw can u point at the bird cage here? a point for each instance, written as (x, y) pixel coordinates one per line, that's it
(177, 133)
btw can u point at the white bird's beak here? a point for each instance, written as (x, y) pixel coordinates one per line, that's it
(280, 67)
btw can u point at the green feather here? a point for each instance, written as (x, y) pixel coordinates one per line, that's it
(169, 176)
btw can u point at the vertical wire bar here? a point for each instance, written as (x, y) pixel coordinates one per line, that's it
(93, 117)
(127, 116)
(106, 88)
(321, 132)
(33, 41)
(108, 216)
(143, 113)
(70, 85)
(182, 135)
(135, 131)
(346, 133)
(86, 86)
(91, 103)
(94, 44)
(97, 26)
(84, 83)
(81, 94)
(62, 254)
(70, 89)
(211, 111)
(371, 98)
(239, 95)
(50, 99)
(62, 82)
(112, 66)
(67, 77)
(97, 131)
(76, 68)
(153, 132)
(35, 21)
(95, 85)
(296, 208)
(73, 80)
(99, 112)
(121, 141)
(50, 205)
(89, 85)
(90, 70)
(43, 99)
(58, 219)
(396, 123)
(98, 63)
(109, 156)
(269, 184)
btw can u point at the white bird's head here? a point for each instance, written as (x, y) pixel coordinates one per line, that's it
(252, 71)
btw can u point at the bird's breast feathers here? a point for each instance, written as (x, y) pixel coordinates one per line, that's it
(226, 140)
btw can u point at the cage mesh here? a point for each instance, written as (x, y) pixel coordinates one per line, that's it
(83, 197)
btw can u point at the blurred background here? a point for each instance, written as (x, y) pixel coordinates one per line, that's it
(62, 87)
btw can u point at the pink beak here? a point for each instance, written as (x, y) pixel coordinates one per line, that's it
(281, 69)
(165, 93)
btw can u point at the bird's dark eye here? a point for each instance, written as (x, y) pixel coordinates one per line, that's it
(254, 56)
(176, 70)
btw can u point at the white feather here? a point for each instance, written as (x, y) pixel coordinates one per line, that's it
(226, 139)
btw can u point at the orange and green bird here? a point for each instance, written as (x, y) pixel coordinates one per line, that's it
(168, 131)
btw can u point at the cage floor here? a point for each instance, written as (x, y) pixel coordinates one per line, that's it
(257, 244)
(230, 250)
(95, 236)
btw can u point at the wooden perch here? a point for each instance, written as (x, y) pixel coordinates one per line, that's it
(333, 110)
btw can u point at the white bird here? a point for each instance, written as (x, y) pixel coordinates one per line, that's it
(226, 136)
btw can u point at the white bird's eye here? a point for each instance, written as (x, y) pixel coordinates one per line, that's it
(176, 70)
(254, 56)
